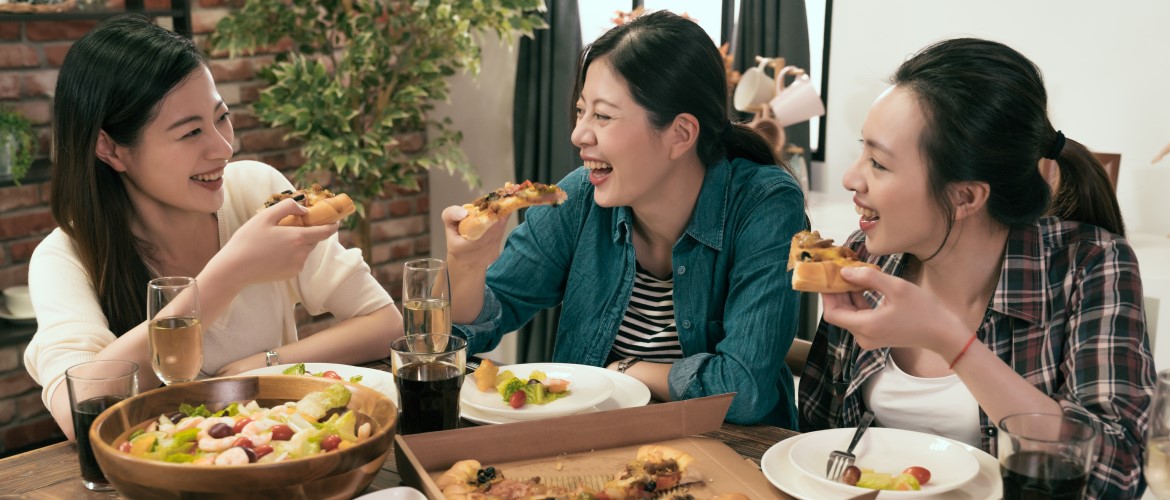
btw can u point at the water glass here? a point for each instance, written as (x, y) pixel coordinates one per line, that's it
(175, 332)
(1157, 466)
(1046, 456)
(93, 387)
(428, 371)
(426, 297)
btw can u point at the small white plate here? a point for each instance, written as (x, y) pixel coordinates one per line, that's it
(785, 475)
(396, 493)
(587, 387)
(23, 320)
(374, 379)
(628, 392)
(951, 464)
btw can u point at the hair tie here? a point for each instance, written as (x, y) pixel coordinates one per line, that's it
(1057, 146)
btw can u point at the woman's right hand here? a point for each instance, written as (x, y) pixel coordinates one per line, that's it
(262, 250)
(478, 253)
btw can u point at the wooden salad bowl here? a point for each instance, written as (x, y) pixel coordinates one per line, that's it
(336, 474)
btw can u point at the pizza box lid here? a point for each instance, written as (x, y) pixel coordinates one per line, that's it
(587, 445)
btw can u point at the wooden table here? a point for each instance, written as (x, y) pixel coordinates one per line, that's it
(53, 472)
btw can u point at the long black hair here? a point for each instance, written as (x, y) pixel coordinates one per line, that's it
(112, 80)
(987, 120)
(673, 67)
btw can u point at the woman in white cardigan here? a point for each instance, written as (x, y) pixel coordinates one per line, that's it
(142, 188)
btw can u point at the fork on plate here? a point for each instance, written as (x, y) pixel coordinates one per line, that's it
(841, 460)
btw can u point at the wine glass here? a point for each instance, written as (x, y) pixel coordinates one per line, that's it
(175, 333)
(426, 297)
(1158, 439)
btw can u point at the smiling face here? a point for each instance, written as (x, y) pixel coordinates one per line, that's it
(177, 165)
(627, 157)
(890, 181)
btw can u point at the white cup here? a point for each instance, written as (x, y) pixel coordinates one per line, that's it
(797, 102)
(18, 301)
(755, 87)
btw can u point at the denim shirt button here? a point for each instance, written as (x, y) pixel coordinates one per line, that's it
(686, 323)
(682, 270)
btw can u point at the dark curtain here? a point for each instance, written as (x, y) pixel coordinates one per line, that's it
(774, 28)
(542, 121)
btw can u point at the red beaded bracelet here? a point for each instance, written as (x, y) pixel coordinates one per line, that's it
(964, 351)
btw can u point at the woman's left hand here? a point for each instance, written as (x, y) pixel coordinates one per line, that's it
(239, 366)
(907, 316)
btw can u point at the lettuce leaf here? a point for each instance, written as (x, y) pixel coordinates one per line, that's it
(297, 369)
(316, 404)
(194, 411)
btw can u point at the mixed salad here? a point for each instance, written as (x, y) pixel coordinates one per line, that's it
(246, 433)
(911, 479)
(537, 389)
(299, 369)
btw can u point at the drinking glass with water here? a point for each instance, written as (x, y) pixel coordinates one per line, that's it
(175, 333)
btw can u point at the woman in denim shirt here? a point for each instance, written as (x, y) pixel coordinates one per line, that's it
(672, 194)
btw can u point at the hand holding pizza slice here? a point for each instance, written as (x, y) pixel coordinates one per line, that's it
(493, 207)
(816, 264)
(324, 206)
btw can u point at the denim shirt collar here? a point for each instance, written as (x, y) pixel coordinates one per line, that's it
(710, 213)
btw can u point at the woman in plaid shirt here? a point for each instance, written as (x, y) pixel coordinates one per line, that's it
(997, 296)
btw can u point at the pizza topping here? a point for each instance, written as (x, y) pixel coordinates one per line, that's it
(534, 192)
(814, 248)
(306, 197)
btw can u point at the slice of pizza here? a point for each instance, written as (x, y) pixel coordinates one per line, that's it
(655, 469)
(816, 264)
(468, 480)
(490, 208)
(324, 206)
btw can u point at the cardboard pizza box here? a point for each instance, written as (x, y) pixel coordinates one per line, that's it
(592, 445)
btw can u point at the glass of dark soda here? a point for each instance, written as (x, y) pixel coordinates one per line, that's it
(428, 371)
(1045, 456)
(93, 387)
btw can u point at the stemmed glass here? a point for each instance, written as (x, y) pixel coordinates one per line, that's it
(426, 297)
(1157, 468)
(175, 333)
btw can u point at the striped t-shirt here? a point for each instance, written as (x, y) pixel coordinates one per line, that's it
(648, 330)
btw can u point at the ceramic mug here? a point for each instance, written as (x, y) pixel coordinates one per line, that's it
(18, 301)
(797, 102)
(755, 88)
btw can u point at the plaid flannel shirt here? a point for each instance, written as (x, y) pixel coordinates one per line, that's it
(1066, 315)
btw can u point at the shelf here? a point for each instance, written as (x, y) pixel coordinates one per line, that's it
(37, 173)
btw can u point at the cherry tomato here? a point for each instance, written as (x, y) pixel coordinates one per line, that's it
(330, 442)
(919, 473)
(243, 442)
(236, 429)
(518, 399)
(281, 433)
(332, 374)
(261, 451)
(124, 447)
(851, 475)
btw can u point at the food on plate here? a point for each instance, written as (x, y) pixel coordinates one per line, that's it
(324, 206)
(654, 470)
(485, 375)
(490, 208)
(244, 433)
(299, 369)
(537, 389)
(911, 478)
(816, 264)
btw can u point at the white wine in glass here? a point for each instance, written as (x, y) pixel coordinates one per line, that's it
(426, 297)
(175, 332)
(1157, 468)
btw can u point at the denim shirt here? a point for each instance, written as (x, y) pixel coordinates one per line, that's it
(735, 309)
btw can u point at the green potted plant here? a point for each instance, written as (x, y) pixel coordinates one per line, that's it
(18, 143)
(363, 72)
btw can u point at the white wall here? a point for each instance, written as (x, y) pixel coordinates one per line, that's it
(1106, 65)
(481, 107)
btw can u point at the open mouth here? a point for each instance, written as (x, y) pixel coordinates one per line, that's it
(211, 177)
(598, 167)
(867, 215)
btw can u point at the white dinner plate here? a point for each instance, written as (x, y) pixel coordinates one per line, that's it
(782, 472)
(588, 387)
(628, 392)
(374, 379)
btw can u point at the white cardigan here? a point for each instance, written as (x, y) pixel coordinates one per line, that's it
(72, 329)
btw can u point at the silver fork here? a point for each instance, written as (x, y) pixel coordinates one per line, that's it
(841, 460)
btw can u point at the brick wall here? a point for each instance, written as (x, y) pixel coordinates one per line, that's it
(30, 55)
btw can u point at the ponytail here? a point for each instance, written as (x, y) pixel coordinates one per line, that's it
(742, 141)
(1084, 193)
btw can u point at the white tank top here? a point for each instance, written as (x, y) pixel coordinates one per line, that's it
(941, 406)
